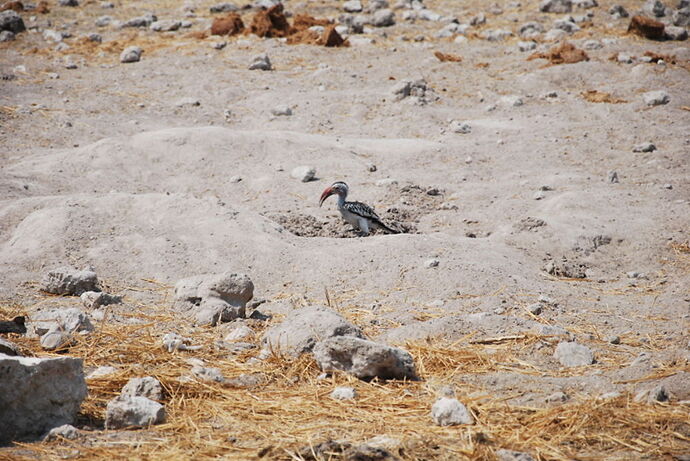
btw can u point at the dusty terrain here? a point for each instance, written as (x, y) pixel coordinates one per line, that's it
(174, 166)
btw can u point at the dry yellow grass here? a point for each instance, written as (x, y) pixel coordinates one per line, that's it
(291, 409)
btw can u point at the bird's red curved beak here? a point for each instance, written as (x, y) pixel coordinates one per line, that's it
(327, 193)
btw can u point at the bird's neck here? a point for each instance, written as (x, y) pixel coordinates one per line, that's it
(341, 200)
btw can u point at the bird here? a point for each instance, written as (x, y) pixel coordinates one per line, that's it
(359, 215)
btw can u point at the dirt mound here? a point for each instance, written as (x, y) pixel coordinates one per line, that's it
(330, 38)
(565, 53)
(270, 23)
(447, 57)
(229, 25)
(14, 6)
(305, 21)
(411, 204)
(646, 27)
(42, 8)
(600, 96)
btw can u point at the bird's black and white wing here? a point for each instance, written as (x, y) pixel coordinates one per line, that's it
(363, 210)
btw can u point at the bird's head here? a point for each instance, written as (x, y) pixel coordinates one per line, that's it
(337, 188)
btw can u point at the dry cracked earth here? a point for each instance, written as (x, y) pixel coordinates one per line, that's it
(539, 201)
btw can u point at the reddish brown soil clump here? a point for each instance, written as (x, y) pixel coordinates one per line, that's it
(330, 38)
(646, 27)
(42, 7)
(447, 57)
(14, 6)
(270, 23)
(565, 53)
(229, 25)
(601, 97)
(304, 21)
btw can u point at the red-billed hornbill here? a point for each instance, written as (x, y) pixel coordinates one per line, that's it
(360, 215)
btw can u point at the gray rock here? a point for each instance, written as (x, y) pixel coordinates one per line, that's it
(510, 455)
(556, 397)
(38, 394)
(343, 393)
(656, 98)
(613, 339)
(572, 354)
(527, 46)
(187, 102)
(681, 17)
(93, 37)
(431, 263)
(364, 359)
(452, 29)
(352, 6)
(612, 177)
(174, 342)
(148, 387)
(609, 395)
(675, 33)
(618, 11)
(10, 20)
(208, 374)
(624, 58)
(566, 25)
(69, 281)
(556, 6)
(282, 110)
(101, 372)
(213, 311)
(460, 127)
(66, 431)
(239, 333)
(103, 21)
(535, 308)
(590, 45)
(70, 320)
(303, 173)
(8, 347)
(71, 3)
(478, 19)
(55, 339)
(654, 8)
(530, 30)
(585, 4)
(450, 412)
(644, 147)
(376, 5)
(223, 8)
(235, 289)
(7, 36)
(95, 299)
(166, 25)
(261, 62)
(383, 18)
(554, 35)
(301, 330)
(495, 35)
(52, 35)
(141, 21)
(128, 411)
(131, 54)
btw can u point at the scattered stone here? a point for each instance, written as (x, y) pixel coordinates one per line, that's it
(303, 173)
(656, 98)
(8, 347)
(39, 394)
(526, 46)
(95, 299)
(69, 281)
(646, 27)
(654, 8)
(7, 36)
(55, 339)
(511, 101)
(452, 29)
(675, 33)
(93, 37)
(364, 359)
(127, 411)
(681, 17)
(174, 342)
(535, 308)
(66, 431)
(103, 21)
(612, 177)
(460, 127)
(239, 333)
(343, 393)
(450, 412)
(609, 395)
(130, 54)
(261, 62)
(102, 372)
(530, 30)
(556, 397)
(229, 25)
(417, 89)
(301, 330)
(555, 35)
(52, 35)
(282, 110)
(187, 102)
(566, 25)
(572, 354)
(215, 298)
(613, 340)
(223, 8)
(566, 269)
(556, 6)
(530, 224)
(495, 35)
(383, 18)
(142, 21)
(352, 6)
(71, 3)
(71, 320)
(510, 455)
(618, 11)
(167, 25)
(478, 19)
(147, 386)
(644, 147)
(585, 4)
(592, 45)
(208, 374)
(430, 263)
